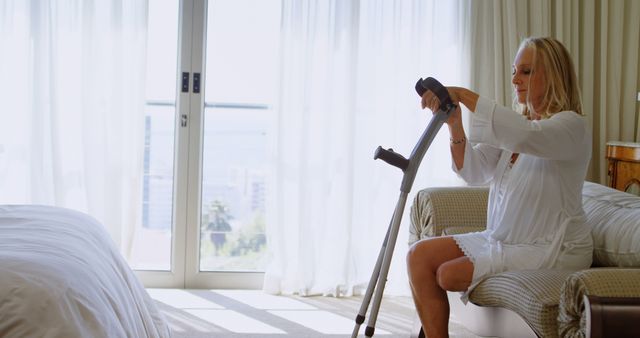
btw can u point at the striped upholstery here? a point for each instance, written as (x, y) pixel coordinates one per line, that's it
(532, 294)
(614, 218)
(436, 209)
(603, 282)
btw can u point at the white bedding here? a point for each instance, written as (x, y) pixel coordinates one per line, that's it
(62, 276)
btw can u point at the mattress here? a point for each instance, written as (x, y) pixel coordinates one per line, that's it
(62, 276)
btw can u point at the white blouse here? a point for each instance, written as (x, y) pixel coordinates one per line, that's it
(539, 207)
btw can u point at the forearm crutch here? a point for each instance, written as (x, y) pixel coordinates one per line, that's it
(409, 167)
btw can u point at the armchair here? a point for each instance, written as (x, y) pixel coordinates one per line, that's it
(596, 302)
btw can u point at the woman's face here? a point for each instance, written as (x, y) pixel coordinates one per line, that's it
(528, 81)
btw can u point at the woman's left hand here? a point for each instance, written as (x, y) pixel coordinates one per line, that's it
(431, 101)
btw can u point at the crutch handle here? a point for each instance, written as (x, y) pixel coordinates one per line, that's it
(391, 157)
(437, 88)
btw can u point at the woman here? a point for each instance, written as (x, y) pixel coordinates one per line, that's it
(535, 163)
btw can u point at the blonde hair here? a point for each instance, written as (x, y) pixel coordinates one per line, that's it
(562, 92)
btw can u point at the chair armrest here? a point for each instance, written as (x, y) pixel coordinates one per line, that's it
(438, 211)
(591, 299)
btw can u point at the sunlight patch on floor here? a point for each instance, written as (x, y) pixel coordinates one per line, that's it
(182, 299)
(234, 321)
(182, 322)
(322, 321)
(260, 300)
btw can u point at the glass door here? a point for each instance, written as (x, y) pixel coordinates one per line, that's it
(240, 81)
(211, 80)
(174, 54)
(153, 242)
(242, 44)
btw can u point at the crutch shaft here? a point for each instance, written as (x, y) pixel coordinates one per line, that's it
(371, 286)
(386, 263)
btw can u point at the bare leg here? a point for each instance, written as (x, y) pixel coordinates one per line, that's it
(434, 266)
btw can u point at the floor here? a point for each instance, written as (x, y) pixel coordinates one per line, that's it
(252, 313)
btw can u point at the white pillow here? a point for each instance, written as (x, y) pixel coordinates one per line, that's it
(614, 217)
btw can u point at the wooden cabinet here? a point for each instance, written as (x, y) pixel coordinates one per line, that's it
(624, 166)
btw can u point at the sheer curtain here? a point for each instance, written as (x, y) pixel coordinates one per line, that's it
(348, 69)
(603, 38)
(71, 107)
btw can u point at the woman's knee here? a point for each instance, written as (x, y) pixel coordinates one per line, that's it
(419, 258)
(455, 275)
(445, 278)
(435, 250)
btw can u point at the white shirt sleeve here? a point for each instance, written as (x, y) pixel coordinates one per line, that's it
(479, 165)
(501, 127)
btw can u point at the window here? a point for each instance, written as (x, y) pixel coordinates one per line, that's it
(206, 150)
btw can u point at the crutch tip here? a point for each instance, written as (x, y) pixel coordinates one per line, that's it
(369, 331)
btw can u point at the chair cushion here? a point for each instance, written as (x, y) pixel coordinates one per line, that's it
(614, 217)
(532, 294)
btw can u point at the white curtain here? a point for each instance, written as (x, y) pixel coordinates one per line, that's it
(603, 38)
(71, 107)
(348, 70)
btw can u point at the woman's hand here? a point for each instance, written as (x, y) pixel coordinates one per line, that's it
(431, 101)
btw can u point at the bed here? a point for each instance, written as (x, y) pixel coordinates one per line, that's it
(62, 276)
